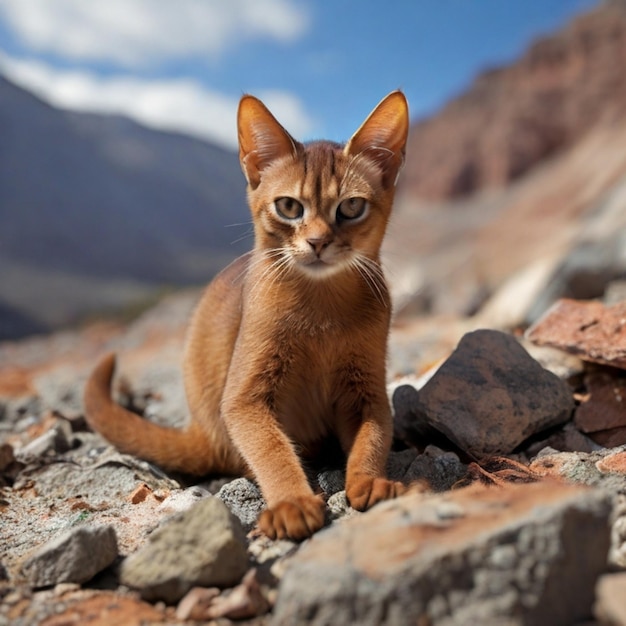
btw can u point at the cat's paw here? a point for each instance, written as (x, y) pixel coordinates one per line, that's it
(364, 492)
(295, 518)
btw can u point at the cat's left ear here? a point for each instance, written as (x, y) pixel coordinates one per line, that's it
(261, 139)
(382, 136)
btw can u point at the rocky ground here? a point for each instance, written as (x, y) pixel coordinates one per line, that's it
(521, 439)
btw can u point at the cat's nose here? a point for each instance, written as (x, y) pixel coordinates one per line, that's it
(318, 244)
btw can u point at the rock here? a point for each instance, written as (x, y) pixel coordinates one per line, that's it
(588, 269)
(242, 602)
(605, 469)
(332, 481)
(564, 365)
(7, 456)
(67, 606)
(523, 554)
(604, 405)
(269, 555)
(509, 306)
(590, 330)
(614, 437)
(602, 468)
(617, 556)
(487, 398)
(14, 410)
(203, 546)
(244, 499)
(566, 439)
(61, 390)
(615, 292)
(76, 556)
(196, 603)
(438, 468)
(610, 607)
(183, 500)
(55, 440)
(339, 507)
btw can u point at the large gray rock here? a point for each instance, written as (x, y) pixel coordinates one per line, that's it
(487, 398)
(203, 546)
(524, 554)
(74, 557)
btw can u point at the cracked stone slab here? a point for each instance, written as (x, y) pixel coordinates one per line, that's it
(591, 330)
(474, 555)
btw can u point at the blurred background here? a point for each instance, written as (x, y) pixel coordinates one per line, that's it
(119, 179)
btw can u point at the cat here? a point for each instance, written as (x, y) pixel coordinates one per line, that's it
(287, 346)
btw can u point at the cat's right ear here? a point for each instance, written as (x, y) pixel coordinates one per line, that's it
(383, 136)
(261, 139)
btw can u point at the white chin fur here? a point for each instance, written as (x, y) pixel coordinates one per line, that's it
(320, 270)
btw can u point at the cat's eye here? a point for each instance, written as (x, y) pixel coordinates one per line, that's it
(351, 209)
(289, 208)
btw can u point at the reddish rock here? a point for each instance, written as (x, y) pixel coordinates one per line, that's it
(196, 603)
(596, 469)
(105, 609)
(610, 438)
(242, 602)
(590, 330)
(140, 494)
(613, 464)
(604, 405)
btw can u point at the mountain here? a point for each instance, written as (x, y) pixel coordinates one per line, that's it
(97, 211)
(521, 180)
(512, 118)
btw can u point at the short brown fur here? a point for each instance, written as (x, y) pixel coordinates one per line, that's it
(288, 344)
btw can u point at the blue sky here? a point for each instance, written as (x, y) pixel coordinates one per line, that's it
(320, 66)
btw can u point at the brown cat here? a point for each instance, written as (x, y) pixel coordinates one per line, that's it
(288, 344)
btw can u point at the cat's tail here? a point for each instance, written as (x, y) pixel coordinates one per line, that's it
(183, 450)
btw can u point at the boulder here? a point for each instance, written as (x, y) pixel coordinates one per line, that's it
(487, 398)
(523, 554)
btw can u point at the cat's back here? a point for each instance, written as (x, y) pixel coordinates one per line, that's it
(212, 334)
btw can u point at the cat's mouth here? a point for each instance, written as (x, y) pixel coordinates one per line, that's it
(321, 268)
(317, 264)
(316, 267)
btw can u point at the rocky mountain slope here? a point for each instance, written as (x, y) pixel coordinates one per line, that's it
(514, 117)
(521, 178)
(95, 211)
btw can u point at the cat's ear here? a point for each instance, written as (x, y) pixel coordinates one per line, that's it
(261, 139)
(382, 136)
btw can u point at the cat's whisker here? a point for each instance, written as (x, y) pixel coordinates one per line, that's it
(372, 274)
(275, 270)
(254, 261)
(263, 256)
(235, 224)
(250, 233)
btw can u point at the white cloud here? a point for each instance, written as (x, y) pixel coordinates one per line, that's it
(182, 105)
(135, 33)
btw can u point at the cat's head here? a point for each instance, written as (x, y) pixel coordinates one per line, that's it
(322, 207)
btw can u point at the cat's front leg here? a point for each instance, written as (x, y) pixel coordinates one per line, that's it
(367, 440)
(294, 511)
